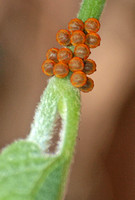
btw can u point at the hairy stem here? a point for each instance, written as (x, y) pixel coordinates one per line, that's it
(91, 8)
(60, 97)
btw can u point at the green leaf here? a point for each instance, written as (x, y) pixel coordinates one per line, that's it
(26, 170)
(21, 167)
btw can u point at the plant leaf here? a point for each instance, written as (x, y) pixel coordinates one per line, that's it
(26, 170)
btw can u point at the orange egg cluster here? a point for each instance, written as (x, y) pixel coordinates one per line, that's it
(59, 62)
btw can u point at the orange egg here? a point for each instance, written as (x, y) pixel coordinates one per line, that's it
(82, 51)
(61, 70)
(77, 37)
(78, 79)
(93, 40)
(64, 55)
(89, 66)
(52, 54)
(92, 24)
(47, 67)
(76, 64)
(75, 24)
(63, 37)
(88, 86)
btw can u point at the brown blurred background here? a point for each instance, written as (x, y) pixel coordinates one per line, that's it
(104, 167)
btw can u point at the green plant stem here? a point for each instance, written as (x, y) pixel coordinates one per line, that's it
(59, 98)
(91, 8)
